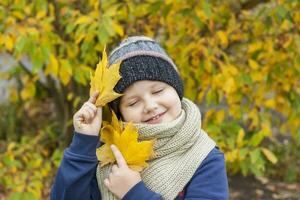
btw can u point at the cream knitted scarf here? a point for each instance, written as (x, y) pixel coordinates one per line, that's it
(181, 146)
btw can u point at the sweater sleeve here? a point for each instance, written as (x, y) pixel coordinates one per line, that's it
(210, 180)
(75, 178)
(141, 192)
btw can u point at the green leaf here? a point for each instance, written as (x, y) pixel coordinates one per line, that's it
(243, 152)
(70, 28)
(7, 161)
(155, 7)
(207, 8)
(255, 155)
(21, 43)
(247, 79)
(28, 196)
(198, 22)
(16, 196)
(291, 175)
(256, 139)
(281, 12)
(231, 142)
(212, 128)
(244, 168)
(186, 12)
(37, 62)
(166, 10)
(82, 74)
(212, 97)
(103, 34)
(257, 166)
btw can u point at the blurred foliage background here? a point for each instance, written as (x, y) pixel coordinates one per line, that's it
(240, 61)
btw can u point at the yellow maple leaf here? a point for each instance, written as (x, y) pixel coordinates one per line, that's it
(104, 81)
(126, 139)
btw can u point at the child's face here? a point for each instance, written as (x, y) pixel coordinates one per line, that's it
(150, 102)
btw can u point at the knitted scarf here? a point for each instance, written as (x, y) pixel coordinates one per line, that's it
(181, 146)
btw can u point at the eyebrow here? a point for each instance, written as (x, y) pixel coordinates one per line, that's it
(127, 99)
(151, 87)
(130, 97)
(157, 85)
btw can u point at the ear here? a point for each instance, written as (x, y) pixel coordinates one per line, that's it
(115, 106)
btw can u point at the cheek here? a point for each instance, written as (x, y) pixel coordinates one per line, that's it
(174, 105)
(130, 115)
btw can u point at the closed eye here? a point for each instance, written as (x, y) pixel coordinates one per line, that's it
(133, 103)
(157, 91)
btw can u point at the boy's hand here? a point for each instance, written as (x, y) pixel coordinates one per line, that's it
(87, 120)
(122, 178)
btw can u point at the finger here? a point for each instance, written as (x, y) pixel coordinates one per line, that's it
(78, 120)
(85, 115)
(90, 111)
(119, 157)
(79, 116)
(90, 105)
(93, 97)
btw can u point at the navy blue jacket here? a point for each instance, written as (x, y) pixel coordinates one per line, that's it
(76, 176)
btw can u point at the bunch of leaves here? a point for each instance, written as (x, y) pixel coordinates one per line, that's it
(53, 46)
(245, 152)
(287, 168)
(27, 168)
(125, 137)
(104, 81)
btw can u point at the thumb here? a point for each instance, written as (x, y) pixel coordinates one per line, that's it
(93, 97)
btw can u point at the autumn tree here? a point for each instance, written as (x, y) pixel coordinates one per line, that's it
(239, 61)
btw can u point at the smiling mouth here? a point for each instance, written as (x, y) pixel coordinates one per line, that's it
(156, 118)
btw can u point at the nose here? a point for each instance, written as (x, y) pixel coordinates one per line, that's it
(150, 105)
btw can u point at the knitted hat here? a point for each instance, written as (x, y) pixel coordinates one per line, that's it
(143, 59)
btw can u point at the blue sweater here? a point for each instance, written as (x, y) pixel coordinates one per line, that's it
(76, 176)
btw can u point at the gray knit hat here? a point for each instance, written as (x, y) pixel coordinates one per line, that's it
(142, 58)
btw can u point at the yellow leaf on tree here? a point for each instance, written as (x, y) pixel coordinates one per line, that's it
(41, 14)
(53, 66)
(118, 28)
(65, 71)
(83, 20)
(229, 86)
(9, 43)
(135, 152)
(253, 64)
(220, 115)
(28, 91)
(104, 81)
(223, 38)
(240, 138)
(269, 155)
(255, 47)
(270, 103)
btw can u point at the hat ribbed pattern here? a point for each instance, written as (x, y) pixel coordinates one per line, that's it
(138, 45)
(148, 68)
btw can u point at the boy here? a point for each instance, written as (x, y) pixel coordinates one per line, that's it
(187, 165)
